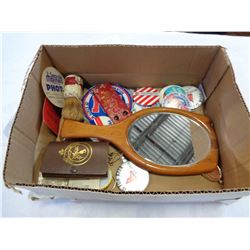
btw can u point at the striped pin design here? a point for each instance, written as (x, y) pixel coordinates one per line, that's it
(146, 96)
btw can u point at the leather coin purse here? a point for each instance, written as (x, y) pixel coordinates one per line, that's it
(75, 159)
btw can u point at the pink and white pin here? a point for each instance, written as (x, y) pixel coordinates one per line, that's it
(146, 96)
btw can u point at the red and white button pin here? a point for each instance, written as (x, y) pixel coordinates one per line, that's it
(146, 96)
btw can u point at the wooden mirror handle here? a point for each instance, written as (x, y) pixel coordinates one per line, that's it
(117, 134)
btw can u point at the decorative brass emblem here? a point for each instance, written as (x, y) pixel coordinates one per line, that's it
(76, 153)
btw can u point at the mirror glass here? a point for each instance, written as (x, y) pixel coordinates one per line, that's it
(169, 139)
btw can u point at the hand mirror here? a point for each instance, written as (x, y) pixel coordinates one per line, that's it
(161, 140)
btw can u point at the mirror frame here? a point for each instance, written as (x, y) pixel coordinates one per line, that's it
(117, 134)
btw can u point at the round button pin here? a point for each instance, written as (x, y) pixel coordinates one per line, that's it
(53, 86)
(194, 96)
(146, 96)
(129, 177)
(176, 100)
(171, 89)
(93, 110)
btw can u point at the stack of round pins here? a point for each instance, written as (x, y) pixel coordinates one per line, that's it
(186, 98)
(145, 97)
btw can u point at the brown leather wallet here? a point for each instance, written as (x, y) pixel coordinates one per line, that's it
(75, 159)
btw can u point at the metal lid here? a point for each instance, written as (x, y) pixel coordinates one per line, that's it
(129, 177)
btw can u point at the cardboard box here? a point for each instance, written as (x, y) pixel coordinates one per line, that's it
(136, 66)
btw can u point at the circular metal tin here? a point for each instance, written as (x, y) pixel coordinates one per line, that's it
(194, 96)
(129, 177)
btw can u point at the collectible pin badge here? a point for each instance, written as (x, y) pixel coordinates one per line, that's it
(111, 102)
(171, 89)
(93, 110)
(146, 96)
(129, 177)
(176, 100)
(194, 96)
(174, 96)
(53, 86)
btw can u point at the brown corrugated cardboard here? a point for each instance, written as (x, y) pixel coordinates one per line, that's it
(216, 72)
(136, 66)
(231, 122)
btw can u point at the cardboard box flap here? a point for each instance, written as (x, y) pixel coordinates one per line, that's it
(232, 124)
(25, 129)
